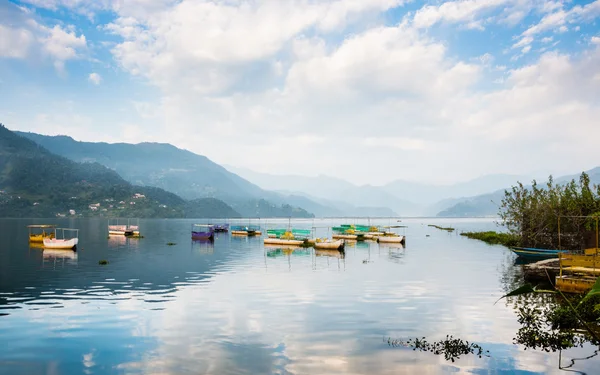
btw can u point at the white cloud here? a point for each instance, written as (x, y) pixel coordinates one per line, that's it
(595, 40)
(95, 78)
(15, 42)
(22, 37)
(558, 18)
(454, 11)
(331, 78)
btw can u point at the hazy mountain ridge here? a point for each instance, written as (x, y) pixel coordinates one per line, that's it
(397, 197)
(489, 204)
(38, 183)
(176, 170)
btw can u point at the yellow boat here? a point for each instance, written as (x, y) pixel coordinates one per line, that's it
(38, 237)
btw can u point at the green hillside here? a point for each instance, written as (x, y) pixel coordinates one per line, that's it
(182, 172)
(36, 183)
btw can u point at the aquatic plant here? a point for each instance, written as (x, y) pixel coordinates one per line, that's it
(451, 348)
(448, 229)
(103, 262)
(494, 238)
(561, 323)
(171, 244)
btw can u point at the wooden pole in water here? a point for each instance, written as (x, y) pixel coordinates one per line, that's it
(596, 235)
(559, 248)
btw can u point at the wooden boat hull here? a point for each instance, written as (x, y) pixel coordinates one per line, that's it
(39, 238)
(533, 253)
(123, 230)
(390, 239)
(280, 241)
(344, 237)
(203, 236)
(60, 244)
(329, 245)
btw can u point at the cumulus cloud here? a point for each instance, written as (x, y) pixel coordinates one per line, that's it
(23, 37)
(557, 20)
(348, 88)
(95, 78)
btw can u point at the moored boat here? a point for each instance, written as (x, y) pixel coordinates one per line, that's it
(221, 228)
(530, 252)
(391, 239)
(245, 231)
(293, 237)
(64, 242)
(115, 228)
(35, 236)
(345, 236)
(203, 232)
(329, 244)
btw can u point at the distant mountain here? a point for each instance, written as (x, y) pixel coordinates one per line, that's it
(161, 165)
(485, 205)
(429, 195)
(315, 186)
(489, 204)
(398, 197)
(36, 183)
(336, 197)
(182, 172)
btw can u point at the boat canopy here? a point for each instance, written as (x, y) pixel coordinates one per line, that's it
(41, 226)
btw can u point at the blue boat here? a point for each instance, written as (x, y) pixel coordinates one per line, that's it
(203, 232)
(531, 252)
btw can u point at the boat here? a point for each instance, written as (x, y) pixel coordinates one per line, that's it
(245, 231)
(221, 228)
(293, 237)
(38, 237)
(115, 228)
(530, 252)
(327, 244)
(390, 239)
(281, 241)
(62, 243)
(203, 232)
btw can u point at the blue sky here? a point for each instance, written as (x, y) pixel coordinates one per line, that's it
(373, 91)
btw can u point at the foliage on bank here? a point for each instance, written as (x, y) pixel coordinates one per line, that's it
(494, 238)
(532, 213)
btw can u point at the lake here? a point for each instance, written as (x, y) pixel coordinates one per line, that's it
(234, 307)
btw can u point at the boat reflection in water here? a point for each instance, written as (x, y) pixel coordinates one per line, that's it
(203, 246)
(330, 253)
(395, 251)
(59, 258)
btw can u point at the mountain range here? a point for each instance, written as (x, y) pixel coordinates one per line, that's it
(253, 194)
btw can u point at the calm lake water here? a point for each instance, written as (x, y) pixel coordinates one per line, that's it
(234, 307)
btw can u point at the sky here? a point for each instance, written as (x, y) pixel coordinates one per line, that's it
(369, 91)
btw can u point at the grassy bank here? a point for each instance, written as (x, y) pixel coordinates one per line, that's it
(493, 238)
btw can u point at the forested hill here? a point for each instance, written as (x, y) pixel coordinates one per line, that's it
(36, 183)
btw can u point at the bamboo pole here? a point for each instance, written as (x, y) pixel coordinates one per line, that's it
(559, 247)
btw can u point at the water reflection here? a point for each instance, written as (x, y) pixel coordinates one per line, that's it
(203, 246)
(250, 309)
